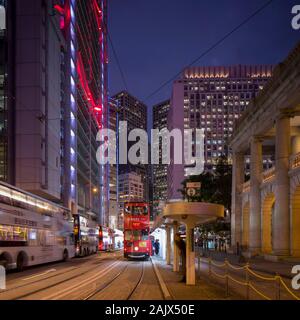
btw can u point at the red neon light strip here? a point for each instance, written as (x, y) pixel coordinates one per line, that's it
(65, 13)
(96, 109)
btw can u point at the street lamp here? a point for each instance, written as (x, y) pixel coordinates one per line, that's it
(95, 190)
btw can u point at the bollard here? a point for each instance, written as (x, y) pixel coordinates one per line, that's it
(209, 266)
(2, 278)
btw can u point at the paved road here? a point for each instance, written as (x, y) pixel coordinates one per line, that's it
(110, 277)
(106, 276)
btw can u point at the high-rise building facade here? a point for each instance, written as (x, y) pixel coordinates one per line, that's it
(160, 171)
(113, 170)
(86, 182)
(30, 94)
(131, 189)
(4, 172)
(53, 101)
(134, 112)
(211, 98)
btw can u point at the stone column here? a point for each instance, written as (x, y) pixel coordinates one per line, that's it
(238, 177)
(256, 165)
(176, 253)
(190, 256)
(281, 220)
(296, 144)
(168, 245)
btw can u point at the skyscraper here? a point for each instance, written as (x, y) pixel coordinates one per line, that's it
(134, 112)
(160, 172)
(83, 23)
(31, 95)
(53, 101)
(4, 170)
(113, 170)
(211, 98)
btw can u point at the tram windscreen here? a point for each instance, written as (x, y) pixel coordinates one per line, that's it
(137, 235)
(136, 210)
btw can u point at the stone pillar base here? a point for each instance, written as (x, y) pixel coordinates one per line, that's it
(190, 270)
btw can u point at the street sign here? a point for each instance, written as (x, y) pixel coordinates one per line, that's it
(191, 192)
(193, 189)
(194, 185)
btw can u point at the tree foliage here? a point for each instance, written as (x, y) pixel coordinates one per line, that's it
(215, 187)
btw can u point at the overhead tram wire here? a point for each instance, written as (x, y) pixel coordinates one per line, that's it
(222, 39)
(117, 61)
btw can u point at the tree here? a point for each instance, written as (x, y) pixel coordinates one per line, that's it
(215, 188)
(223, 183)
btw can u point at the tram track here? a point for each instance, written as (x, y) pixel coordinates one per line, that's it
(112, 281)
(105, 285)
(81, 284)
(133, 291)
(138, 283)
(44, 288)
(53, 275)
(133, 275)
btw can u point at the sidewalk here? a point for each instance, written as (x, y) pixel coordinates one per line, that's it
(281, 268)
(203, 290)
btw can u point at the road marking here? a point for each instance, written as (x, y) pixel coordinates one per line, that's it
(39, 275)
(161, 282)
(100, 274)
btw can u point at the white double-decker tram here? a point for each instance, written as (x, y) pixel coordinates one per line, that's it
(32, 230)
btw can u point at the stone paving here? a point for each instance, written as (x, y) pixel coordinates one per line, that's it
(203, 290)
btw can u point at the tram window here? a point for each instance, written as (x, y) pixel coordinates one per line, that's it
(13, 233)
(136, 235)
(127, 235)
(140, 211)
(144, 234)
(33, 237)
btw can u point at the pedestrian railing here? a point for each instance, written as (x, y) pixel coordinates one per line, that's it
(248, 284)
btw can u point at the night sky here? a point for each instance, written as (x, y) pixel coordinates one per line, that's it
(156, 39)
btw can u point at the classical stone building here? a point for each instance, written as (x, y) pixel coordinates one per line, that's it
(266, 209)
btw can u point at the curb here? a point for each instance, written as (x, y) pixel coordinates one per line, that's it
(165, 291)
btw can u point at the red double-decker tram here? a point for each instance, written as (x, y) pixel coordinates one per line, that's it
(137, 243)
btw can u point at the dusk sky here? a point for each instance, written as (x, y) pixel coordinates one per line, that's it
(156, 39)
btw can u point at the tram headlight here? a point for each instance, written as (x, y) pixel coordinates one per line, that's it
(136, 248)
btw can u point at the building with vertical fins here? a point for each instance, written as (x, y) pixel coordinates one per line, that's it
(85, 185)
(113, 216)
(53, 101)
(31, 95)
